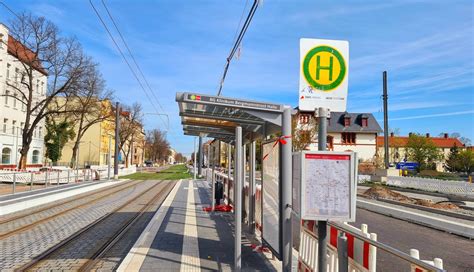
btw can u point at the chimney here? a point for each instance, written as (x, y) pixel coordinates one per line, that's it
(427, 135)
(391, 134)
(446, 135)
(409, 134)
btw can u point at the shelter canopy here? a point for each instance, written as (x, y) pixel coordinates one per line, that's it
(217, 116)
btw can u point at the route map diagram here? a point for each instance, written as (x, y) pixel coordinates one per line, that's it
(327, 191)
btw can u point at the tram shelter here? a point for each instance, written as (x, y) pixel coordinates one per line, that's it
(239, 122)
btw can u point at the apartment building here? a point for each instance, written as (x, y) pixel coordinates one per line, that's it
(12, 108)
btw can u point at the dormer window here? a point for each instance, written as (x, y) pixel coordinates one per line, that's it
(347, 121)
(365, 121)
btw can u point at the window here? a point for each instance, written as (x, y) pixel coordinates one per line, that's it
(21, 126)
(17, 75)
(43, 91)
(14, 101)
(347, 121)
(8, 70)
(348, 138)
(13, 126)
(39, 132)
(5, 121)
(23, 104)
(6, 155)
(35, 158)
(364, 122)
(7, 93)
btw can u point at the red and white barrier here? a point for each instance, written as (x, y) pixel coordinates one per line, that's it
(362, 255)
(437, 262)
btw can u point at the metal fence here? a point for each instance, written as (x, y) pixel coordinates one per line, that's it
(15, 181)
(433, 185)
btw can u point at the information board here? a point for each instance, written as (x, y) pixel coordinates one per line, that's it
(271, 206)
(328, 187)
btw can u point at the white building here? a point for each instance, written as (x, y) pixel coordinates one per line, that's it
(349, 132)
(171, 157)
(12, 111)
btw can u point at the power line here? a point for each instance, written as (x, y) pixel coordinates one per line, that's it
(237, 43)
(132, 56)
(10, 10)
(123, 55)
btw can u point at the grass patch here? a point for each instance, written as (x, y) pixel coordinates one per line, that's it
(173, 173)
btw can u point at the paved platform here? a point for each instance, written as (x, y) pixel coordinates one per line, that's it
(25, 200)
(182, 237)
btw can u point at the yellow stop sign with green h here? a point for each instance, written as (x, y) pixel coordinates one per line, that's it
(324, 68)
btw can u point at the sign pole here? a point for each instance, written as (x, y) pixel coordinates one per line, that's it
(195, 159)
(322, 224)
(117, 139)
(286, 190)
(238, 200)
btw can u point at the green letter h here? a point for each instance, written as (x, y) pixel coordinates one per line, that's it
(319, 67)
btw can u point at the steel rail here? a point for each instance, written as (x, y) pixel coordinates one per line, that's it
(60, 213)
(89, 265)
(41, 257)
(386, 248)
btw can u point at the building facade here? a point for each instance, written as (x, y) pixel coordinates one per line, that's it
(397, 147)
(12, 108)
(348, 132)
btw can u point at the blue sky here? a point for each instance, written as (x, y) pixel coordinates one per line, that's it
(427, 47)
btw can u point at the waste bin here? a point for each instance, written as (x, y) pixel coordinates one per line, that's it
(219, 192)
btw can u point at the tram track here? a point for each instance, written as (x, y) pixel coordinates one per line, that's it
(86, 251)
(86, 200)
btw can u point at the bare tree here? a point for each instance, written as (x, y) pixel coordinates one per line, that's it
(130, 127)
(304, 127)
(157, 147)
(40, 50)
(89, 106)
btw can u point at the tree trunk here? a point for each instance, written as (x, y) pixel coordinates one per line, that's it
(74, 154)
(25, 147)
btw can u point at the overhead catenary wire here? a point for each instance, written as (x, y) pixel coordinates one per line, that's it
(131, 55)
(237, 44)
(123, 55)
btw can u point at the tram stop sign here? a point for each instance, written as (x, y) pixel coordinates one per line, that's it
(324, 74)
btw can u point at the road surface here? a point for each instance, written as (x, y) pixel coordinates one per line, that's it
(457, 252)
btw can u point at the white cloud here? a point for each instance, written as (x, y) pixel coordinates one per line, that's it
(432, 115)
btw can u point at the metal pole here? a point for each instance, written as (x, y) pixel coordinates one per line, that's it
(385, 121)
(213, 180)
(244, 176)
(201, 156)
(238, 199)
(229, 160)
(31, 181)
(286, 190)
(109, 158)
(208, 161)
(342, 254)
(117, 128)
(195, 158)
(252, 188)
(322, 225)
(68, 176)
(46, 178)
(77, 163)
(57, 179)
(14, 183)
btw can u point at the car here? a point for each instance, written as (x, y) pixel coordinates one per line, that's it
(148, 163)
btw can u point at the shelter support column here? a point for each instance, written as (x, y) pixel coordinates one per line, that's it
(212, 154)
(238, 199)
(201, 156)
(251, 216)
(244, 177)
(286, 190)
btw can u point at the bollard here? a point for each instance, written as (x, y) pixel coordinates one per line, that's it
(57, 180)
(46, 176)
(31, 181)
(68, 176)
(373, 254)
(438, 263)
(14, 183)
(343, 262)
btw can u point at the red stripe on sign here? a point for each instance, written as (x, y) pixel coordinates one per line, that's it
(418, 270)
(327, 157)
(350, 246)
(366, 255)
(333, 237)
